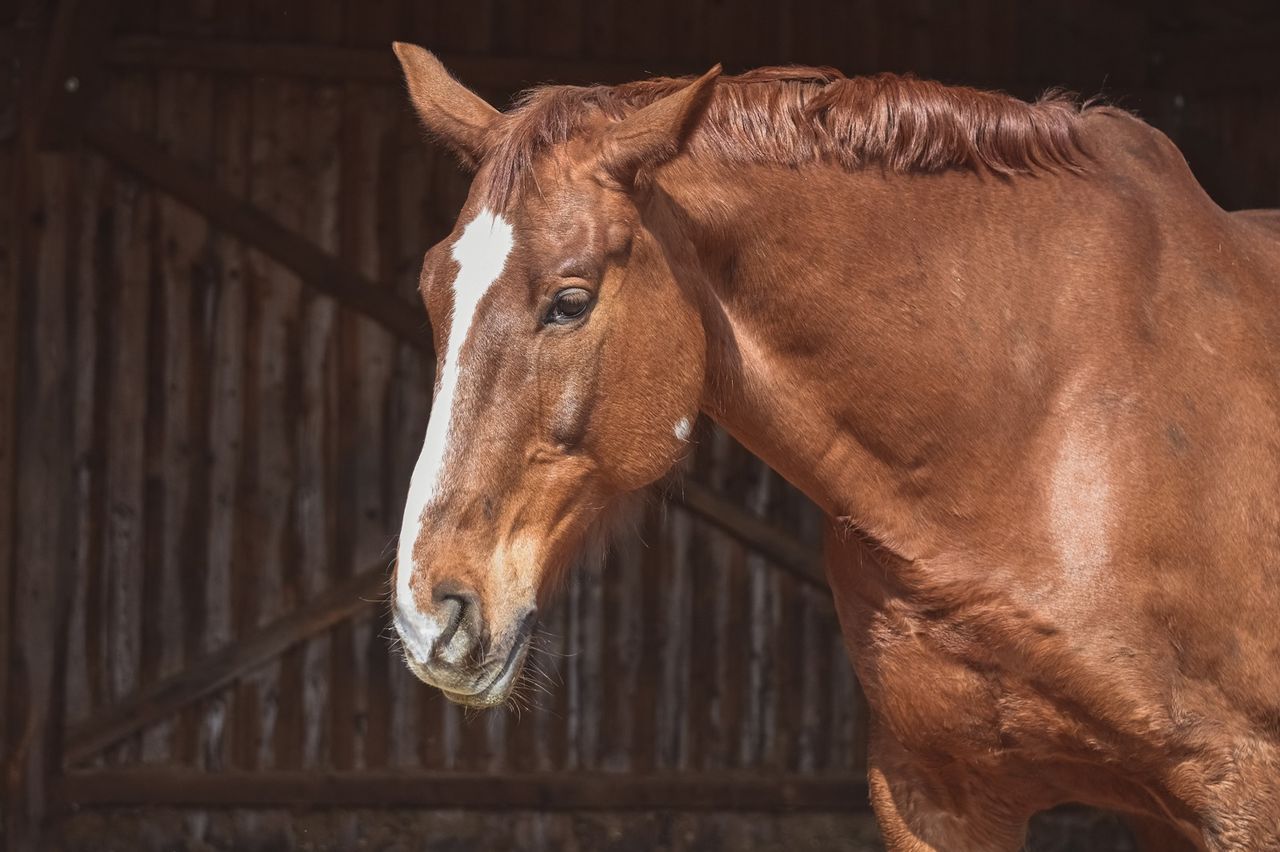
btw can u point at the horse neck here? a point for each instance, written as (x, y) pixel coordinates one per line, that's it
(870, 337)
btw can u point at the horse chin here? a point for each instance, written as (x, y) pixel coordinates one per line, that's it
(479, 701)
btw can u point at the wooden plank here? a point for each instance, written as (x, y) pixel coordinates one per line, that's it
(372, 23)
(674, 635)
(817, 628)
(649, 652)
(72, 79)
(361, 356)
(623, 590)
(95, 314)
(188, 292)
(330, 275)
(762, 599)
(499, 73)
(43, 546)
(129, 271)
(158, 700)
(788, 667)
(735, 662)
(160, 617)
(589, 655)
(707, 642)
(20, 93)
(257, 228)
(726, 577)
(31, 567)
(309, 137)
(639, 32)
(552, 29)
(365, 373)
(10, 211)
(453, 28)
(191, 17)
(247, 557)
(319, 510)
(226, 420)
(578, 791)
(277, 168)
(752, 530)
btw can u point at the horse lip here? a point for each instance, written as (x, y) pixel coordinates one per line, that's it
(495, 691)
(495, 688)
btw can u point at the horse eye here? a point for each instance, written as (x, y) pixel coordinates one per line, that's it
(569, 304)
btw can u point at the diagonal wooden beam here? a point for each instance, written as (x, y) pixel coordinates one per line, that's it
(161, 699)
(250, 224)
(328, 274)
(784, 551)
(158, 701)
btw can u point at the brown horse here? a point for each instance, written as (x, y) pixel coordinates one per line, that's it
(1027, 368)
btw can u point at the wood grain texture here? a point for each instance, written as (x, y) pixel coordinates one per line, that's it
(251, 224)
(10, 213)
(43, 546)
(156, 701)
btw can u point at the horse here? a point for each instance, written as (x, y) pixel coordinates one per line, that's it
(1029, 371)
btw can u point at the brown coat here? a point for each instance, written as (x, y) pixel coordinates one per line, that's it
(1029, 370)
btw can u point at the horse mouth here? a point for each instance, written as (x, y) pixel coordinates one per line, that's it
(493, 682)
(498, 687)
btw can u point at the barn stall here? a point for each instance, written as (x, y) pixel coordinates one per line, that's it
(216, 378)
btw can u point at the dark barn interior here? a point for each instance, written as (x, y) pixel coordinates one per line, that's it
(214, 385)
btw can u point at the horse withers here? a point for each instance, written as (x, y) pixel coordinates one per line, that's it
(1029, 371)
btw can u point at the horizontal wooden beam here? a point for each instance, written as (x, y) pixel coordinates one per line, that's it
(496, 73)
(203, 677)
(785, 551)
(763, 791)
(255, 227)
(1241, 63)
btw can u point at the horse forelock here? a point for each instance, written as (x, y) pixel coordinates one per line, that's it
(794, 116)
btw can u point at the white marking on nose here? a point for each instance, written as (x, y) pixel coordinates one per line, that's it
(684, 428)
(481, 253)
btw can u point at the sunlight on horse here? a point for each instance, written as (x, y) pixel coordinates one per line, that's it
(1029, 371)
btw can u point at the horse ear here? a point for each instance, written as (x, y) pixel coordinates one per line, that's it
(447, 109)
(653, 135)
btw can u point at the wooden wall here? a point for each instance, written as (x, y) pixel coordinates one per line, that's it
(197, 441)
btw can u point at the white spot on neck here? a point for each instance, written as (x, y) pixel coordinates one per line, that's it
(481, 253)
(1080, 503)
(683, 429)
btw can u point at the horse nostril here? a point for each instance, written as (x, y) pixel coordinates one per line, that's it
(453, 609)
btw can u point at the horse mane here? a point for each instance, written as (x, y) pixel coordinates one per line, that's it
(793, 116)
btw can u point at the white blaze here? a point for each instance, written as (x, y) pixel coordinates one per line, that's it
(481, 253)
